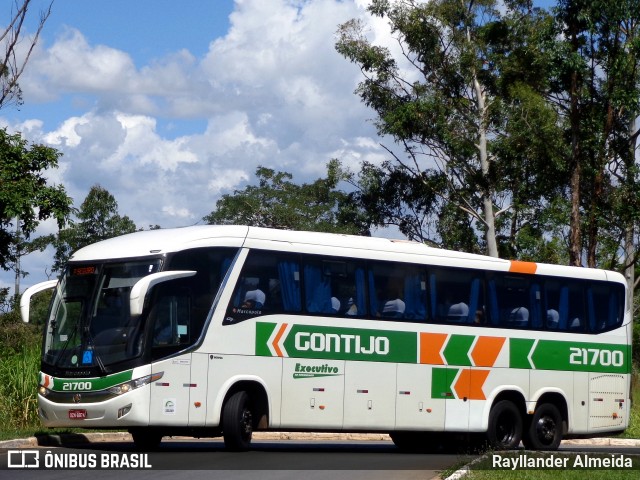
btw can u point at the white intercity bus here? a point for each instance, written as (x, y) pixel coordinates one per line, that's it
(225, 330)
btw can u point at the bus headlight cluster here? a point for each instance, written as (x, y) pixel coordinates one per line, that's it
(44, 391)
(133, 384)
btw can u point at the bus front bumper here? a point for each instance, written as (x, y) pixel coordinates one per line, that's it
(129, 409)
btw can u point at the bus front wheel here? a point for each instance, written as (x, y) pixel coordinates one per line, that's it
(545, 429)
(146, 439)
(505, 426)
(237, 422)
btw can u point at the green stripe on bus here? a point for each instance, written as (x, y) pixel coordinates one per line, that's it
(307, 341)
(519, 350)
(457, 350)
(338, 343)
(580, 357)
(72, 384)
(310, 341)
(441, 382)
(263, 332)
(568, 356)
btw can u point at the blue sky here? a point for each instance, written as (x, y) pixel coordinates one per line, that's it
(169, 104)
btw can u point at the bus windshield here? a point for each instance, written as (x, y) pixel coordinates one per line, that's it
(89, 323)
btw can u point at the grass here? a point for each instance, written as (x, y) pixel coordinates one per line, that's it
(634, 422)
(569, 474)
(18, 389)
(484, 469)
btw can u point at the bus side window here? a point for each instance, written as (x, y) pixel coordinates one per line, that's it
(515, 303)
(577, 314)
(605, 303)
(555, 308)
(397, 291)
(268, 284)
(565, 305)
(170, 317)
(317, 289)
(415, 295)
(458, 296)
(347, 287)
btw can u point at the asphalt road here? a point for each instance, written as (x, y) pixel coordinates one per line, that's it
(188, 459)
(309, 460)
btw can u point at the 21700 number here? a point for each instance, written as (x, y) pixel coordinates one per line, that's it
(595, 356)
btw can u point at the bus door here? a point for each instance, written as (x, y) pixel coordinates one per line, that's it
(198, 389)
(169, 323)
(170, 394)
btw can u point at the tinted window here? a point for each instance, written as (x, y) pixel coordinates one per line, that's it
(457, 296)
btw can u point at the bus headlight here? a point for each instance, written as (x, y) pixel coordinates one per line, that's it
(44, 391)
(133, 384)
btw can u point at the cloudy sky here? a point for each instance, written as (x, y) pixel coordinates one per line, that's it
(169, 104)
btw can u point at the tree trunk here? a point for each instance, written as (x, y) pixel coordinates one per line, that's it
(487, 191)
(629, 241)
(575, 165)
(16, 291)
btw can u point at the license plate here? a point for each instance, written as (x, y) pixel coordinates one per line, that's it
(77, 414)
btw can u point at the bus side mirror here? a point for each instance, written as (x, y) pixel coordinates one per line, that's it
(142, 286)
(30, 292)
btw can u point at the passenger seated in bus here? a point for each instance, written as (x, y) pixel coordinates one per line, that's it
(335, 305)
(575, 325)
(254, 299)
(352, 308)
(458, 312)
(394, 306)
(519, 317)
(553, 319)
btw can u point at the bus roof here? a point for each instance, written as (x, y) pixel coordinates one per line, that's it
(163, 241)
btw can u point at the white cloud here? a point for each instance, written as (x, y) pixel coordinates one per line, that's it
(272, 91)
(72, 65)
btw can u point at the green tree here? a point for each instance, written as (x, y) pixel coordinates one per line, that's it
(466, 77)
(277, 202)
(97, 219)
(26, 198)
(594, 87)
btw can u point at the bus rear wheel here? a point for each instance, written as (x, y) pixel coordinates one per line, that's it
(237, 422)
(545, 429)
(505, 426)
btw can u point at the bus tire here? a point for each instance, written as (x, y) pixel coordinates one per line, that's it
(237, 422)
(146, 440)
(408, 441)
(505, 426)
(545, 428)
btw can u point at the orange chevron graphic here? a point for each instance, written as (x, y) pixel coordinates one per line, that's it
(276, 340)
(486, 350)
(430, 347)
(470, 383)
